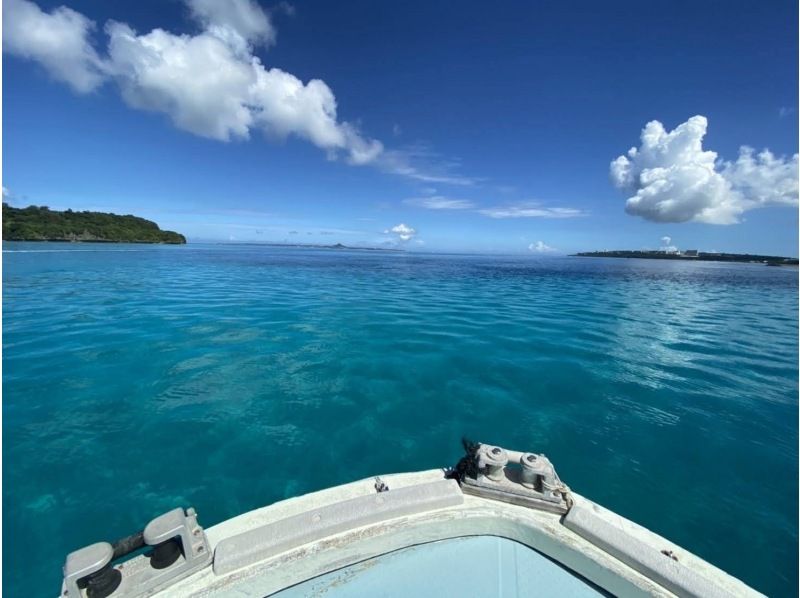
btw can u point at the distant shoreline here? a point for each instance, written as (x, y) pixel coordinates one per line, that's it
(92, 241)
(311, 246)
(696, 256)
(284, 245)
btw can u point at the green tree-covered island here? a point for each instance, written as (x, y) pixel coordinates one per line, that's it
(39, 223)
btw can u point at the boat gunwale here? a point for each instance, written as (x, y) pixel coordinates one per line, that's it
(542, 531)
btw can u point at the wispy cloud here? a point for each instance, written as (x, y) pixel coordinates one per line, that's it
(439, 202)
(527, 209)
(420, 163)
(341, 231)
(286, 8)
(785, 111)
(12, 198)
(505, 188)
(531, 210)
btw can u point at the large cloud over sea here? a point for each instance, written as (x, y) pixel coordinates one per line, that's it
(210, 84)
(671, 178)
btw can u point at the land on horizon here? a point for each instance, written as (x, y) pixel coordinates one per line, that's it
(309, 245)
(40, 223)
(703, 256)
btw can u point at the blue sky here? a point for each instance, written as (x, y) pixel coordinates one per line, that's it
(456, 128)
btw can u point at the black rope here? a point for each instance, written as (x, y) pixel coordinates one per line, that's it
(467, 466)
(128, 544)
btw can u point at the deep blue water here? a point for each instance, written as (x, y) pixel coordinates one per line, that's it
(140, 378)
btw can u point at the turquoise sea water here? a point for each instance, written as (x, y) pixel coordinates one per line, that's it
(140, 378)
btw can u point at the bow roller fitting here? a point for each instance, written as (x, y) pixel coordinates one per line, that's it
(494, 461)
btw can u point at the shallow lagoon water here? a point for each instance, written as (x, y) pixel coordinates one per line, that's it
(140, 378)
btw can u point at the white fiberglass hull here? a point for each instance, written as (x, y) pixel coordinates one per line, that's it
(350, 539)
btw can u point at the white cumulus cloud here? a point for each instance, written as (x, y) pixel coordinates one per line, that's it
(403, 232)
(540, 247)
(244, 19)
(666, 244)
(673, 179)
(58, 40)
(197, 81)
(210, 84)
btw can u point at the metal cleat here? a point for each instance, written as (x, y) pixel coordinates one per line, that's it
(525, 479)
(179, 549)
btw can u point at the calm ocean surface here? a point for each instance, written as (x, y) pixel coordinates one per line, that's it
(141, 378)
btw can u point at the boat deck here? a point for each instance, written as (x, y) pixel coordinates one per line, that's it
(471, 566)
